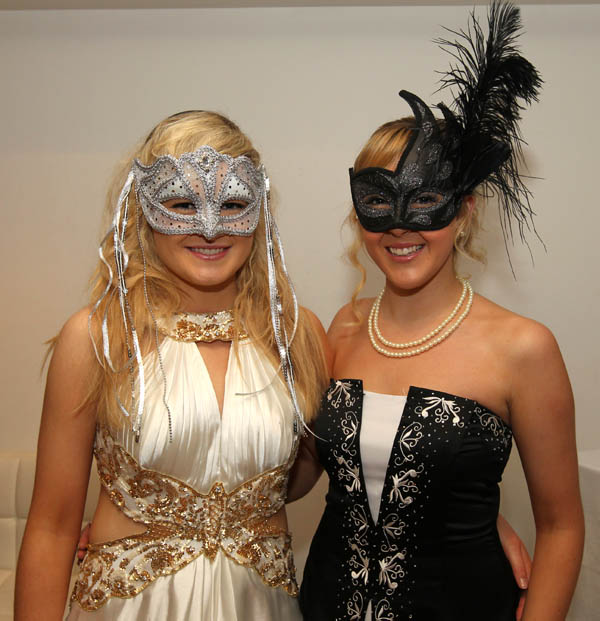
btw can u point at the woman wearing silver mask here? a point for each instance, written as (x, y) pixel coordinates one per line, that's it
(189, 393)
(415, 444)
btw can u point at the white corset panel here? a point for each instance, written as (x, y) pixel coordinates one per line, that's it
(380, 419)
(205, 498)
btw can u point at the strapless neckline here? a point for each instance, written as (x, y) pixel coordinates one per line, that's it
(447, 396)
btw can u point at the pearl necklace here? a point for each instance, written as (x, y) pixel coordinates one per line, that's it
(431, 339)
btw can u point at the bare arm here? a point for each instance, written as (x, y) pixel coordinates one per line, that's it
(515, 552)
(517, 556)
(307, 469)
(62, 472)
(542, 417)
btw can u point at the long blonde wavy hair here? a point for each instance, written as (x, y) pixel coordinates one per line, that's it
(178, 134)
(386, 145)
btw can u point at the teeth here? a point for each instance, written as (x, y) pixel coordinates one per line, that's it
(404, 251)
(207, 251)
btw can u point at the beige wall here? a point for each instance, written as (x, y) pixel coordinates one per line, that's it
(308, 85)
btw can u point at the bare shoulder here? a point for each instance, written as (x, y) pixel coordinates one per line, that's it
(522, 339)
(77, 324)
(349, 320)
(71, 376)
(73, 341)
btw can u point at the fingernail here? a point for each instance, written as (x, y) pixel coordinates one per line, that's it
(523, 583)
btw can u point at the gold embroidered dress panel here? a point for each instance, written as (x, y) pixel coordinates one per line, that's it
(181, 525)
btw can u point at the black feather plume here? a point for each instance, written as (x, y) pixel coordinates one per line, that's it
(490, 79)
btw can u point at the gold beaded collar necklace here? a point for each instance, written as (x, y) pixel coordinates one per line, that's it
(433, 338)
(200, 327)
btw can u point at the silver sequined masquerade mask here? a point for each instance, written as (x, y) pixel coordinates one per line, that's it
(201, 193)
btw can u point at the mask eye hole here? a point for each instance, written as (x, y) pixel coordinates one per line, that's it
(424, 200)
(376, 201)
(233, 207)
(179, 205)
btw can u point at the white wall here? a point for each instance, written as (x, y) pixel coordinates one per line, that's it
(309, 85)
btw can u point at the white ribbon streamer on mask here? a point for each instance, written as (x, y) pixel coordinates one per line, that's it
(118, 230)
(281, 337)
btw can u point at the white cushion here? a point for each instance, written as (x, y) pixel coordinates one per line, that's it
(9, 468)
(17, 474)
(7, 587)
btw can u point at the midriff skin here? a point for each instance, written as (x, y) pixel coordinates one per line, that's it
(110, 523)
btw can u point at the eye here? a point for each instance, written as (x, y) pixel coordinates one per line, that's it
(182, 205)
(179, 205)
(233, 205)
(426, 199)
(376, 201)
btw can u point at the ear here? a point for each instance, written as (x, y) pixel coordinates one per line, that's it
(468, 202)
(465, 213)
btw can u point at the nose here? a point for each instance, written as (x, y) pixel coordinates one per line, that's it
(209, 235)
(206, 237)
(396, 232)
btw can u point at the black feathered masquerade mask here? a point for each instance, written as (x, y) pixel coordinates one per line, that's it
(478, 142)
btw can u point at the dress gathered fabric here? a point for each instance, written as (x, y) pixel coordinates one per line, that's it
(210, 550)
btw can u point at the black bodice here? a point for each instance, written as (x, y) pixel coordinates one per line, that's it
(434, 553)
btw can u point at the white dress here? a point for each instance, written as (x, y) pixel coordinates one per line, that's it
(209, 551)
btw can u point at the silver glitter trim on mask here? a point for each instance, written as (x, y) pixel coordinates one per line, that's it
(218, 194)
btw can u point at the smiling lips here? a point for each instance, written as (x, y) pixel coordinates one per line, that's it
(208, 253)
(405, 252)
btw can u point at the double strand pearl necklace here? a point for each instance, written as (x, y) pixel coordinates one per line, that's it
(425, 343)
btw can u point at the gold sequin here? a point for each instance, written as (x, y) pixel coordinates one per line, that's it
(182, 524)
(200, 327)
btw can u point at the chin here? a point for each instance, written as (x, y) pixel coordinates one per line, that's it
(212, 282)
(406, 284)
(411, 278)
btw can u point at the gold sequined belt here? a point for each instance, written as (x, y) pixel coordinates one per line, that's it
(181, 525)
